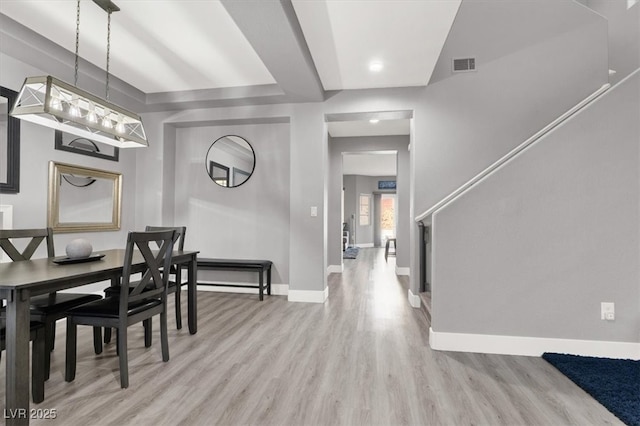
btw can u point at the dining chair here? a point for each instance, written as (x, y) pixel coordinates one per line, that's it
(37, 357)
(46, 308)
(134, 303)
(175, 284)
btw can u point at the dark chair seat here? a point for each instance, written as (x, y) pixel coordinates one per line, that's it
(37, 357)
(114, 292)
(48, 304)
(110, 307)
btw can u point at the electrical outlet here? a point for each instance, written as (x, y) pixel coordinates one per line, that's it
(607, 311)
(314, 211)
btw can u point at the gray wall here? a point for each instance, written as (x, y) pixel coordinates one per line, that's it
(306, 163)
(249, 221)
(405, 222)
(309, 174)
(534, 249)
(535, 60)
(155, 174)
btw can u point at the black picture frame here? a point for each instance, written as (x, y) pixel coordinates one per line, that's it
(387, 184)
(83, 146)
(12, 184)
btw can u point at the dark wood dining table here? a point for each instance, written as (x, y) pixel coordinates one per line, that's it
(21, 280)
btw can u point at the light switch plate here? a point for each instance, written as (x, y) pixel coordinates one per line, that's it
(314, 211)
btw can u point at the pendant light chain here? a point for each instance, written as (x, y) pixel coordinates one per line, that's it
(108, 49)
(75, 75)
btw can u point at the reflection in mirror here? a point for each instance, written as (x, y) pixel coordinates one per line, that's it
(78, 180)
(79, 203)
(83, 199)
(219, 173)
(230, 161)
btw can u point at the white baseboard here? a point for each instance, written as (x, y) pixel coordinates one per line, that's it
(276, 289)
(403, 270)
(335, 269)
(414, 299)
(530, 346)
(365, 245)
(309, 296)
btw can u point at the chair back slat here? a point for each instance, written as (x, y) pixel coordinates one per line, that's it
(36, 237)
(152, 278)
(181, 232)
(154, 281)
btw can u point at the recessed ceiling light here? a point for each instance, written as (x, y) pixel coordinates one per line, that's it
(376, 66)
(373, 121)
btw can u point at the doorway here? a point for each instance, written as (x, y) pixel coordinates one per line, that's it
(365, 174)
(388, 217)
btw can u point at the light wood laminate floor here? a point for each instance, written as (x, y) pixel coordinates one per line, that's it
(362, 358)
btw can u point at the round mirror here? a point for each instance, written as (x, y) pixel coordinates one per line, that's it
(230, 161)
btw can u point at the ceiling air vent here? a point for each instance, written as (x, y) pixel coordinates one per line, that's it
(464, 64)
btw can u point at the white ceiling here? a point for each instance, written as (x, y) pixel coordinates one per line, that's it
(344, 37)
(178, 45)
(379, 163)
(156, 46)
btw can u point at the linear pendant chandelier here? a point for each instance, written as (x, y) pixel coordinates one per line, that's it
(53, 103)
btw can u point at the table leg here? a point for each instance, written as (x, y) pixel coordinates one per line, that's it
(192, 288)
(269, 280)
(17, 359)
(261, 283)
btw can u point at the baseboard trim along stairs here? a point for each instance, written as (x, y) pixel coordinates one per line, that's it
(530, 346)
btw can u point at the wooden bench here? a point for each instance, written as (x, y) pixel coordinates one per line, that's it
(259, 266)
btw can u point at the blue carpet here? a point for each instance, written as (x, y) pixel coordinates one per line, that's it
(350, 253)
(614, 383)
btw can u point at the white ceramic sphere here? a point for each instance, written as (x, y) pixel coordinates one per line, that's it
(79, 248)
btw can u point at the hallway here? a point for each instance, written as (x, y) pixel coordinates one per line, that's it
(362, 358)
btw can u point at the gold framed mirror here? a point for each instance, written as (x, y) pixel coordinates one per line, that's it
(83, 199)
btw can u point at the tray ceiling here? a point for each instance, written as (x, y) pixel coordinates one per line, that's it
(189, 45)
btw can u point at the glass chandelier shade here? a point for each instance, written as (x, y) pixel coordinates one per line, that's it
(53, 103)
